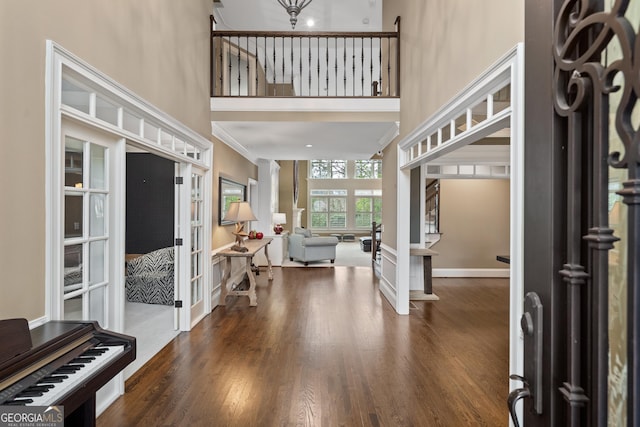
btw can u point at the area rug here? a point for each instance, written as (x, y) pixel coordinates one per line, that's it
(347, 254)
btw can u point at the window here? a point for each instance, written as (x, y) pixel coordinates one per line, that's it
(368, 207)
(368, 169)
(329, 209)
(328, 169)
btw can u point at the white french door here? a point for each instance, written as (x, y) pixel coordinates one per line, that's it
(90, 271)
(197, 245)
(192, 209)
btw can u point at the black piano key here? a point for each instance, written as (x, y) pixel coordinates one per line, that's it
(67, 370)
(83, 359)
(40, 388)
(27, 393)
(18, 402)
(53, 379)
(95, 352)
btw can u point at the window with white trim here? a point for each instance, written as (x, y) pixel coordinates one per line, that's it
(368, 169)
(328, 169)
(329, 209)
(368, 207)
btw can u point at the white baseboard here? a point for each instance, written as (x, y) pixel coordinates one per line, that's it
(38, 322)
(470, 272)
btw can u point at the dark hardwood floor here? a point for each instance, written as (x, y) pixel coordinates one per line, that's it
(324, 348)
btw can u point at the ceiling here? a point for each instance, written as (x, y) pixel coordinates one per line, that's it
(286, 135)
(328, 15)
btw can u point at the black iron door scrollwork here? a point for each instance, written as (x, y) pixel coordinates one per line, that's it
(569, 153)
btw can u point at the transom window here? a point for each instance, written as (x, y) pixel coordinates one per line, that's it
(368, 169)
(329, 209)
(368, 207)
(328, 169)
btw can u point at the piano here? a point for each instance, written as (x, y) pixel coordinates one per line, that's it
(61, 363)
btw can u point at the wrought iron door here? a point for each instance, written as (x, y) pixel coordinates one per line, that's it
(582, 220)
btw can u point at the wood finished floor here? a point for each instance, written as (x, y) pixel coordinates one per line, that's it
(324, 348)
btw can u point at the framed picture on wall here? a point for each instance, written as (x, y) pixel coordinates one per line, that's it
(229, 191)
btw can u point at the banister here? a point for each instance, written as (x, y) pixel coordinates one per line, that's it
(304, 64)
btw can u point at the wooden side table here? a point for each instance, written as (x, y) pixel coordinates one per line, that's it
(253, 246)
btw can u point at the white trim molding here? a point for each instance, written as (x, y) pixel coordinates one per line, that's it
(436, 142)
(233, 143)
(388, 274)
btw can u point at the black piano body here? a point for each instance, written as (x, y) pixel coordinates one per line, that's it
(27, 356)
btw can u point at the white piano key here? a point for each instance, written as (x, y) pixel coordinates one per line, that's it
(60, 389)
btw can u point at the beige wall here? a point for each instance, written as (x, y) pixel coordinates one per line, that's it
(445, 44)
(474, 221)
(231, 165)
(158, 49)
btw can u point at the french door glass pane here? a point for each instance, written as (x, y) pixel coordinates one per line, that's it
(72, 268)
(96, 215)
(196, 290)
(197, 264)
(85, 221)
(73, 162)
(73, 215)
(98, 167)
(97, 304)
(96, 262)
(73, 308)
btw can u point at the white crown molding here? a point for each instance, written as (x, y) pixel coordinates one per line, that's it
(389, 136)
(230, 141)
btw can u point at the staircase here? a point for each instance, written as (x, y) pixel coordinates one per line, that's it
(432, 217)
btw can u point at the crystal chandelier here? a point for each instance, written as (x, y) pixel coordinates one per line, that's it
(294, 7)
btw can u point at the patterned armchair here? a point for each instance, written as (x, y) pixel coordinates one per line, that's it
(150, 278)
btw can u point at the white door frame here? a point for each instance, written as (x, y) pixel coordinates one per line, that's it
(153, 131)
(419, 147)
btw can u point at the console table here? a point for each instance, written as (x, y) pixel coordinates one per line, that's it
(253, 246)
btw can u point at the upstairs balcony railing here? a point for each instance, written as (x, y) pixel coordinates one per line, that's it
(309, 64)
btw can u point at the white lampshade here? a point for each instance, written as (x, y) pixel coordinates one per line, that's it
(239, 212)
(279, 218)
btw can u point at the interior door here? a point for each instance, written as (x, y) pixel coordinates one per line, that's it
(581, 215)
(91, 274)
(197, 255)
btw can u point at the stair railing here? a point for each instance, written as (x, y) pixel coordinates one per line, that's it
(432, 207)
(309, 64)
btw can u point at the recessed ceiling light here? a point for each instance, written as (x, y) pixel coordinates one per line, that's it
(310, 22)
(309, 145)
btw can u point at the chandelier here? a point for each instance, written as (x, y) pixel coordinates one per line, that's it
(294, 7)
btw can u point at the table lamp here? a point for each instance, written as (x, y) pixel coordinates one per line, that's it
(240, 212)
(279, 218)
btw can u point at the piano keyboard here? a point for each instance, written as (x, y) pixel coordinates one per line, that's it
(53, 385)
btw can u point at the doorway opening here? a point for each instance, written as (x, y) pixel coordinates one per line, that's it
(149, 254)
